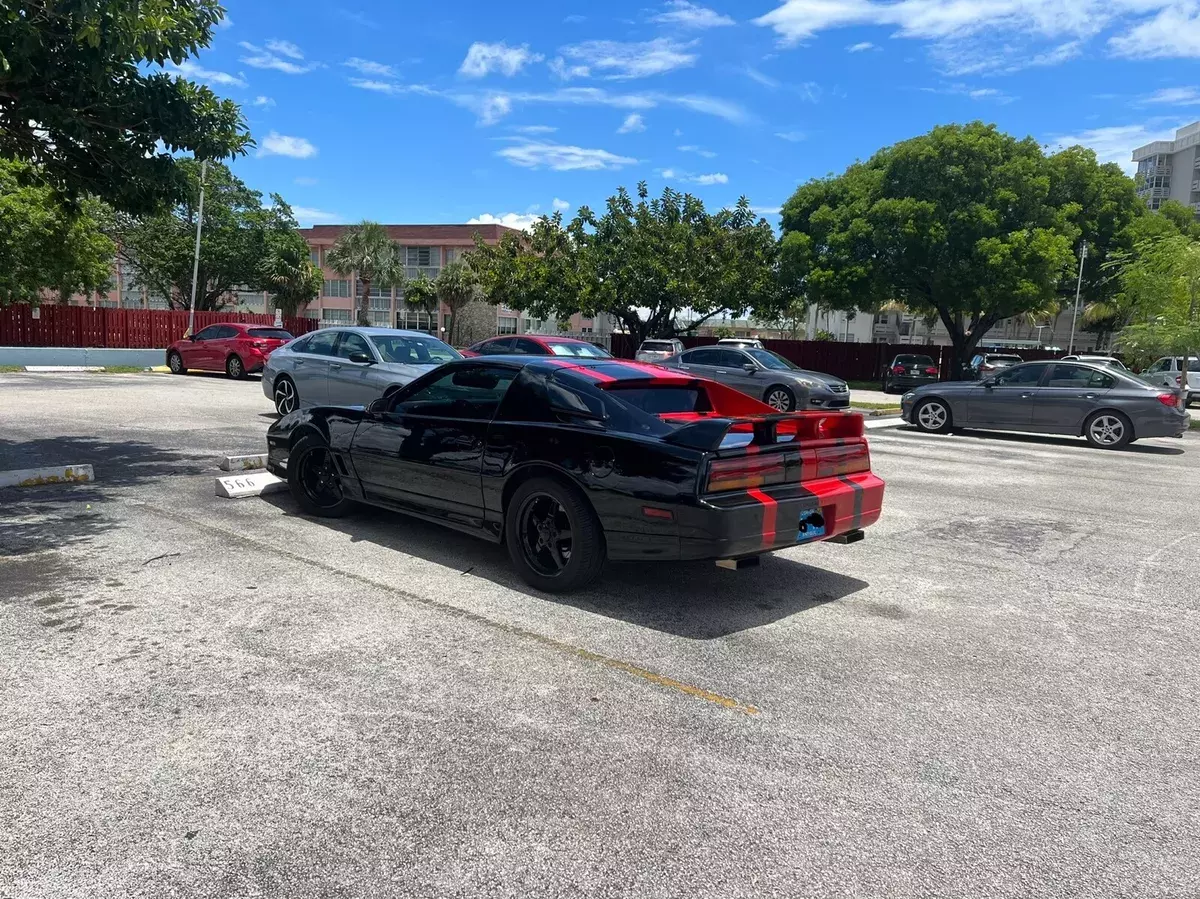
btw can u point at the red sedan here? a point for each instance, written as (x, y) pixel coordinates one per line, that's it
(537, 345)
(235, 349)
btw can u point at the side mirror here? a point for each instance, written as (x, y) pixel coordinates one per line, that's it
(362, 359)
(989, 382)
(750, 368)
(378, 406)
(192, 338)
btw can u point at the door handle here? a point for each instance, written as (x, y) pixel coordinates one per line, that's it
(722, 371)
(299, 361)
(335, 365)
(1087, 396)
(1026, 396)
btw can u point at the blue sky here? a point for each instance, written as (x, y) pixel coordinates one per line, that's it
(439, 113)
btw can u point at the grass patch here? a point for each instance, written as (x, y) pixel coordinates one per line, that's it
(122, 370)
(890, 406)
(865, 385)
(11, 369)
(1195, 425)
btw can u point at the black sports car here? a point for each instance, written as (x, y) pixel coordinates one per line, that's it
(572, 461)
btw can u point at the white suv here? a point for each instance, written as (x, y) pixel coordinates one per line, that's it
(658, 350)
(1168, 372)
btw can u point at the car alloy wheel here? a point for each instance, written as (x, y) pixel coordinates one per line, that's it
(780, 399)
(319, 479)
(933, 416)
(175, 363)
(285, 396)
(1107, 430)
(234, 368)
(545, 534)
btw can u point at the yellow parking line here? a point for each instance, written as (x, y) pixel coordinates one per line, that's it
(661, 680)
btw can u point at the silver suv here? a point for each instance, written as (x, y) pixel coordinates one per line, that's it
(1168, 372)
(658, 350)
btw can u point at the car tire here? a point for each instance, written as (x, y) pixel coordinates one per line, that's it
(780, 398)
(886, 387)
(175, 363)
(235, 368)
(313, 479)
(535, 513)
(287, 398)
(933, 416)
(1107, 429)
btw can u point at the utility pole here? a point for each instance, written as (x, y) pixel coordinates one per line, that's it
(196, 258)
(1078, 288)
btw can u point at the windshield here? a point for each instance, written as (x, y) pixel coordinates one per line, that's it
(914, 360)
(410, 350)
(269, 334)
(583, 350)
(770, 360)
(659, 346)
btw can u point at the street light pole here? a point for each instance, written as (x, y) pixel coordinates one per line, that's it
(1078, 288)
(196, 258)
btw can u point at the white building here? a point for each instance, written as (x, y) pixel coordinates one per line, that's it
(1170, 169)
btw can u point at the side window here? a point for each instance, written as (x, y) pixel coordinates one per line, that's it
(1070, 376)
(1097, 380)
(732, 359)
(1021, 376)
(702, 357)
(352, 343)
(496, 347)
(228, 331)
(209, 333)
(301, 345)
(472, 392)
(322, 343)
(1160, 365)
(528, 347)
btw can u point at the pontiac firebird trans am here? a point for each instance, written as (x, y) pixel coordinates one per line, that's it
(573, 461)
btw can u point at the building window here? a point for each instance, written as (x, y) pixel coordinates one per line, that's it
(252, 299)
(380, 304)
(336, 316)
(380, 293)
(337, 288)
(157, 303)
(381, 319)
(314, 255)
(422, 256)
(416, 321)
(108, 304)
(506, 325)
(312, 313)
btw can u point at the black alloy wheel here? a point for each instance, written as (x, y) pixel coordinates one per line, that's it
(553, 535)
(314, 481)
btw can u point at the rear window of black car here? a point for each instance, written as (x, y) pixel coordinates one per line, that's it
(658, 400)
(914, 360)
(270, 334)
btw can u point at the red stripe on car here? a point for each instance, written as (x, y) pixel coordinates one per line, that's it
(770, 508)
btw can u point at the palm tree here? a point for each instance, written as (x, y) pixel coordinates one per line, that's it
(290, 276)
(365, 248)
(456, 286)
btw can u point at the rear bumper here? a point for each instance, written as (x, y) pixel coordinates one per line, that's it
(910, 380)
(768, 520)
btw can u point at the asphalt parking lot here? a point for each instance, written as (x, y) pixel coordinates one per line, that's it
(996, 694)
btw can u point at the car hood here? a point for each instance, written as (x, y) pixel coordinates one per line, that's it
(406, 370)
(819, 377)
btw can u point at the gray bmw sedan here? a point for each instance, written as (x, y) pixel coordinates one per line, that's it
(1111, 408)
(348, 366)
(765, 376)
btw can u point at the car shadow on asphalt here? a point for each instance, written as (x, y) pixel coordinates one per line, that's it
(1048, 440)
(695, 600)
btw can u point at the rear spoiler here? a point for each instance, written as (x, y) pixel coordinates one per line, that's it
(708, 434)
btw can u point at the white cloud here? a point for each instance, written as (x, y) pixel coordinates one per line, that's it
(1115, 143)
(494, 108)
(1174, 32)
(562, 158)
(766, 210)
(276, 144)
(688, 15)
(306, 216)
(1174, 96)
(792, 137)
(974, 93)
(305, 181)
(271, 59)
(392, 87)
(522, 221)
(715, 178)
(860, 47)
(632, 60)
(193, 72)
(225, 23)
(562, 205)
(285, 48)
(262, 101)
(564, 72)
(369, 67)
(762, 78)
(483, 59)
(689, 178)
(699, 151)
(535, 129)
(633, 123)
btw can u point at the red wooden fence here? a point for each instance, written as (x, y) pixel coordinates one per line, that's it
(89, 326)
(852, 361)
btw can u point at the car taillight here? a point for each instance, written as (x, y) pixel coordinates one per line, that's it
(834, 461)
(986, 367)
(1168, 399)
(259, 344)
(897, 369)
(746, 471)
(1178, 379)
(932, 370)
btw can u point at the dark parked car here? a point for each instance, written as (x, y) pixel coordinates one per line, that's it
(571, 462)
(1109, 407)
(234, 348)
(984, 364)
(537, 345)
(908, 371)
(764, 375)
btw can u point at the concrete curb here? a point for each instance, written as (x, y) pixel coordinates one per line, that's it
(36, 477)
(258, 483)
(244, 463)
(872, 424)
(48, 369)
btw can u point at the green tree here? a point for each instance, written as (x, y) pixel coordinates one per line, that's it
(456, 286)
(46, 245)
(239, 233)
(288, 272)
(958, 222)
(1162, 279)
(420, 294)
(649, 264)
(367, 250)
(1182, 217)
(82, 98)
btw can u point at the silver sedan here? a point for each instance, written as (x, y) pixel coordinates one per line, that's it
(349, 366)
(1111, 408)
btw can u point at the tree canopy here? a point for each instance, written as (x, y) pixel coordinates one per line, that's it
(961, 222)
(365, 248)
(659, 266)
(45, 244)
(244, 244)
(83, 99)
(1161, 282)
